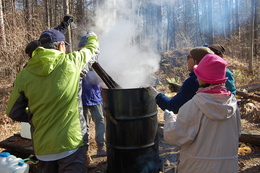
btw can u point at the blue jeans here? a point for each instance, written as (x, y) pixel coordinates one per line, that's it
(96, 114)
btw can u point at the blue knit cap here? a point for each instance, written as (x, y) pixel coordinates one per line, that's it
(82, 41)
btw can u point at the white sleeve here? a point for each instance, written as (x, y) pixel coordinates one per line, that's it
(183, 129)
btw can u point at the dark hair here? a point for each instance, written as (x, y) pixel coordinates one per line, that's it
(52, 45)
(217, 49)
(31, 47)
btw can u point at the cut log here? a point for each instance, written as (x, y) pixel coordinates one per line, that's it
(248, 96)
(252, 138)
(18, 144)
(250, 87)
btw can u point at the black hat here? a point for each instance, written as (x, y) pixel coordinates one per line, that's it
(217, 49)
(31, 47)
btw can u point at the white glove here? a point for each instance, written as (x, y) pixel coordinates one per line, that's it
(169, 115)
(90, 34)
(91, 62)
(152, 92)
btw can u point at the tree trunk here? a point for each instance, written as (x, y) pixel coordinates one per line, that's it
(252, 36)
(2, 27)
(210, 23)
(171, 28)
(227, 18)
(257, 28)
(27, 17)
(47, 13)
(197, 29)
(237, 25)
(159, 28)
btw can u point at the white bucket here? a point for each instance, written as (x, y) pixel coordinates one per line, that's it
(11, 164)
(26, 130)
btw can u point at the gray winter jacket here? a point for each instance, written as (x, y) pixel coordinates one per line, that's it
(207, 129)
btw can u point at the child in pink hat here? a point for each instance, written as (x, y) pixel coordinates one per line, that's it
(212, 70)
(208, 126)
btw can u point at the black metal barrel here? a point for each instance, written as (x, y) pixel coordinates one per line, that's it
(131, 131)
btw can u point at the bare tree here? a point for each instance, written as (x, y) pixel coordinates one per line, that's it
(2, 27)
(47, 15)
(171, 28)
(236, 23)
(257, 28)
(252, 36)
(210, 23)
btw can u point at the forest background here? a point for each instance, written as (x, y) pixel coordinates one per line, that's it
(134, 35)
(140, 40)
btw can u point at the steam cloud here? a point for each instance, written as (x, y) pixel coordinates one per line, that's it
(130, 65)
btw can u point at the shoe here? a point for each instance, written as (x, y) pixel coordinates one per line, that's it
(89, 162)
(101, 151)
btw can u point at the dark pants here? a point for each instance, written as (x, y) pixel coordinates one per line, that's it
(75, 163)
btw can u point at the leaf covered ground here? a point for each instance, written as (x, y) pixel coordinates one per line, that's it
(173, 68)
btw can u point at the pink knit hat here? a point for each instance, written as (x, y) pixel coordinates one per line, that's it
(211, 69)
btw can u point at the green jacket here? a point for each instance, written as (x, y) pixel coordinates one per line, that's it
(50, 87)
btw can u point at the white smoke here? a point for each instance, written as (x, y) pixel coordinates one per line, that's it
(130, 65)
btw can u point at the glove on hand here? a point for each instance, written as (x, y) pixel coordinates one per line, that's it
(68, 18)
(152, 92)
(93, 59)
(90, 34)
(167, 114)
(174, 87)
(83, 73)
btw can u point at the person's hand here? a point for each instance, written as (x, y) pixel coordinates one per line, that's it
(168, 114)
(152, 92)
(68, 18)
(174, 87)
(90, 34)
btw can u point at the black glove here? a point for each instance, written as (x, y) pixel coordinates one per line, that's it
(174, 87)
(63, 27)
(68, 18)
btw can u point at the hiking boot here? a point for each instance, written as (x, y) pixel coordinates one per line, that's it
(101, 151)
(89, 162)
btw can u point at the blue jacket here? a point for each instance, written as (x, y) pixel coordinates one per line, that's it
(91, 92)
(187, 91)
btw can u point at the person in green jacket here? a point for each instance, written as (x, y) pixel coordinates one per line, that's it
(230, 83)
(49, 86)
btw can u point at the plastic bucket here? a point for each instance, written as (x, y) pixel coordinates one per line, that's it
(26, 130)
(11, 164)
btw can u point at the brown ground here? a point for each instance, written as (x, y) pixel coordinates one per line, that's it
(249, 158)
(249, 154)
